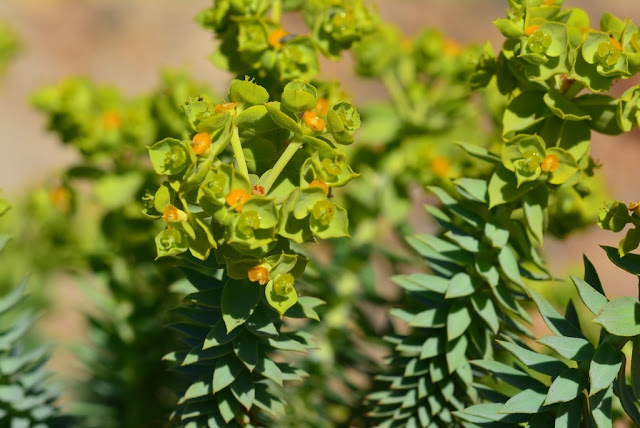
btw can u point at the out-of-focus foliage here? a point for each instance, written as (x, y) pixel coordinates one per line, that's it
(27, 397)
(9, 45)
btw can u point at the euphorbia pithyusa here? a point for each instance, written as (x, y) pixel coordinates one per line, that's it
(253, 178)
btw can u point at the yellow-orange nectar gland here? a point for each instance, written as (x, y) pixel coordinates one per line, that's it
(322, 107)
(548, 3)
(551, 163)
(225, 106)
(276, 36)
(173, 214)
(440, 166)
(61, 198)
(615, 43)
(530, 30)
(451, 47)
(320, 184)
(312, 121)
(111, 119)
(236, 199)
(634, 207)
(201, 142)
(259, 274)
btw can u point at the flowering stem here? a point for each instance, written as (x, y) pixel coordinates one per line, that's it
(238, 153)
(286, 156)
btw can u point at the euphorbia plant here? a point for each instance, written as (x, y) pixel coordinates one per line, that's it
(248, 208)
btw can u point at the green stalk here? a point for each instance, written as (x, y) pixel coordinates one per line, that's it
(239, 155)
(286, 156)
(276, 11)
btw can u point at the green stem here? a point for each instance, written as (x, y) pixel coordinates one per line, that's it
(276, 11)
(397, 94)
(286, 156)
(239, 154)
(575, 88)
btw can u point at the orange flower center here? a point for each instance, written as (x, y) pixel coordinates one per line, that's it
(224, 106)
(551, 163)
(440, 166)
(236, 198)
(201, 142)
(259, 274)
(312, 121)
(320, 184)
(451, 47)
(616, 43)
(111, 119)
(322, 107)
(276, 37)
(530, 30)
(173, 214)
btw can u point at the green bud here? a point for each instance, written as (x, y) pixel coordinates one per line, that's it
(298, 60)
(608, 53)
(248, 222)
(169, 156)
(170, 242)
(323, 211)
(342, 121)
(539, 42)
(217, 184)
(299, 96)
(333, 167)
(283, 284)
(614, 216)
(247, 93)
(252, 37)
(533, 159)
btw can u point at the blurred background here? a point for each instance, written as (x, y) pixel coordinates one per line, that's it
(126, 42)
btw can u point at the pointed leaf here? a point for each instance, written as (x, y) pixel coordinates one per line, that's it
(620, 317)
(604, 367)
(567, 386)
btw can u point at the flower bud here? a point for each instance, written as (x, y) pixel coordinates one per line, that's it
(608, 53)
(333, 167)
(323, 211)
(283, 284)
(539, 42)
(248, 222)
(533, 159)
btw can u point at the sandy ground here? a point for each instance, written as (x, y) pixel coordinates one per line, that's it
(126, 42)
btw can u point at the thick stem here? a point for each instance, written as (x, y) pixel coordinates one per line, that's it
(238, 153)
(286, 156)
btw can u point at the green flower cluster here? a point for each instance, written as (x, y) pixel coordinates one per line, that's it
(254, 43)
(277, 191)
(550, 56)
